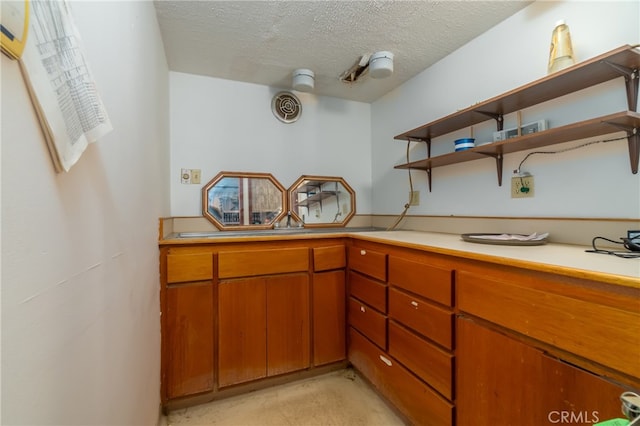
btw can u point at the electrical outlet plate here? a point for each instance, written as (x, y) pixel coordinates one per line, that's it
(415, 198)
(522, 186)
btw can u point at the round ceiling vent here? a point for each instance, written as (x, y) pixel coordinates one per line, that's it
(286, 107)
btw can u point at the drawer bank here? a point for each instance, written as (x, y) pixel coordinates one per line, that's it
(448, 332)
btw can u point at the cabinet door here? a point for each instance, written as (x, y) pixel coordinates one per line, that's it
(189, 334)
(329, 328)
(288, 325)
(242, 331)
(503, 381)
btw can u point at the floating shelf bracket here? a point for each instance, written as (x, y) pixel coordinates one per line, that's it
(499, 161)
(429, 177)
(498, 117)
(631, 79)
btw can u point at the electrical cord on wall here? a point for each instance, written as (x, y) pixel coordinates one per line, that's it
(406, 206)
(517, 171)
(623, 254)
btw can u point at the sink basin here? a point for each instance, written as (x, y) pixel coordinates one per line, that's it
(275, 231)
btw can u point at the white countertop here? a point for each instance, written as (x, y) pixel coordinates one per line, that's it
(564, 259)
(560, 258)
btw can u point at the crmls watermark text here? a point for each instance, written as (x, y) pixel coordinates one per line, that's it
(565, 416)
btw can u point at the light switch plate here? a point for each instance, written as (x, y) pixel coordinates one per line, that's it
(195, 176)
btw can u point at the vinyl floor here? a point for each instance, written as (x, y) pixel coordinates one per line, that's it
(334, 399)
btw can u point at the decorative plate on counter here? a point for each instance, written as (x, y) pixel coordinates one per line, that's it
(534, 239)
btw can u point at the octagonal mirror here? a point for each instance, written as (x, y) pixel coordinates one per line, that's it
(322, 201)
(243, 200)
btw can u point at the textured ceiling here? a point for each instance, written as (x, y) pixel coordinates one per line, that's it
(263, 42)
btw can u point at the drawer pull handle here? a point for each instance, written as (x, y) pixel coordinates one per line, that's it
(414, 304)
(363, 252)
(386, 360)
(362, 309)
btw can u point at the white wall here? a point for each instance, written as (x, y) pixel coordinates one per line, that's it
(591, 182)
(80, 303)
(221, 125)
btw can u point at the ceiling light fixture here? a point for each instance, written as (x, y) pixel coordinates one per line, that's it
(381, 64)
(303, 80)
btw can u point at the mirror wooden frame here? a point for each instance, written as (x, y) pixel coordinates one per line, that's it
(317, 190)
(249, 204)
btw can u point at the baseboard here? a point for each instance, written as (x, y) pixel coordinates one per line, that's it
(162, 419)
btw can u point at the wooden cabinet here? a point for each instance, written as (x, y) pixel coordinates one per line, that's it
(577, 317)
(446, 340)
(534, 348)
(263, 327)
(329, 317)
(367, 304)
(187, 323)
(242, 331)
(189, 340)
(288, 324)
(503, 381)
(244, 315)
(264, 321)
(329, 314)
(421, 320)
(449, 341)
(388, 325)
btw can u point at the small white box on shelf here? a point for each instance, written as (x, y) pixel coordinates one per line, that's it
(537, 126)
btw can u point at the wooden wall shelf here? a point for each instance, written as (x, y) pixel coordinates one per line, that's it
(623, 61)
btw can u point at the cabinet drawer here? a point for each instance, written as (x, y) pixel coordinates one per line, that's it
(430, 363)
(417, 401)
(371, 323)
(262, 262)
(189, 267)
(428, 281)
(371, 292)
(368, 262)
(580, 327)
(429, 320)
(327, 258)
